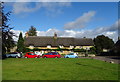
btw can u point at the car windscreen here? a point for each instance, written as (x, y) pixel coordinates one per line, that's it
(49, 54)
(13, 53)
(55, 53)
(31, 54)
(71, 54)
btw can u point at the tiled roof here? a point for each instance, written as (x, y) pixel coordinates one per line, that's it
(65, 41)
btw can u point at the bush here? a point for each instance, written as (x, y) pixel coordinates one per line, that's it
(79, 50)
(92, 50)
(63, 54)
(28, 50)
(36, 49)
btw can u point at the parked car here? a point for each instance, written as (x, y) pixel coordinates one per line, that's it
(14, 55)
(31, 55)
(71, 55)
(51, 55)
(2, 56)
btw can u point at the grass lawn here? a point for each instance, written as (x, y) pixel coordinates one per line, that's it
(58, 69)
(0, 70)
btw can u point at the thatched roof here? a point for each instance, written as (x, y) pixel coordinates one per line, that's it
(65, 41)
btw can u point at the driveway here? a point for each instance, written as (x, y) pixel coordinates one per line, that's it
(110, 59)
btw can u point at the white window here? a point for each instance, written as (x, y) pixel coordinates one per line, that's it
(31, 46)
(71, 47)
(61, 46)
(81, 47)
(48, 46)
(87, 48)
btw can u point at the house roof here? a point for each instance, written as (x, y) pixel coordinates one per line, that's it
(117, 43)
(65, 41)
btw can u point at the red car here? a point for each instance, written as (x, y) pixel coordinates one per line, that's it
(31, 55)
(52, 55)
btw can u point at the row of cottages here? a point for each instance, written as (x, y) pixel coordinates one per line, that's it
(53, 42)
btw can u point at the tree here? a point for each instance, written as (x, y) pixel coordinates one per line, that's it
(20, 43)
(7, 34)
(115, 51)
(32, 31)
(103, 42)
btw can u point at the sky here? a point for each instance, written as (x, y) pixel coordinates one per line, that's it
(67, 19)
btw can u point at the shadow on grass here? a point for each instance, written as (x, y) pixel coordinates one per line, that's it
(29, 71)
(95, 67)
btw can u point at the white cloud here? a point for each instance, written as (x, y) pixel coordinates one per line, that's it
(113, 34)
(24, 7)
(17, 32)
(80, 34)
(71, 33)
(81, 21)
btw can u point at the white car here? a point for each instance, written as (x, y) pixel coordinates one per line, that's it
(14, 55)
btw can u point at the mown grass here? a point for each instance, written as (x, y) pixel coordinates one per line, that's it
(58, 69)
(0, 70)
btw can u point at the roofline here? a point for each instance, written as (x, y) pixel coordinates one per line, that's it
(58, 37)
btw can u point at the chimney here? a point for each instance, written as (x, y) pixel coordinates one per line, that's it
(55, 35)
(26, 34)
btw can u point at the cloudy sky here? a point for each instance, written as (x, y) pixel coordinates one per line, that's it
(68, 19)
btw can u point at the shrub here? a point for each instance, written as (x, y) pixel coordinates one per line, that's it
(28, 50)
(79, 50)
(36, 49)
(92, 50)
(63, 54)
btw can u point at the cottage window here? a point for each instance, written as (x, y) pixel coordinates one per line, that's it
(71, 47)
(48, 46)
(87, 48)
(31, 46)
(81, 47)
(61, 46)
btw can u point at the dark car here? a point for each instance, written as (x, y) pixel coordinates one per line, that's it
(14, 55)
(3, 56)
(51, 55)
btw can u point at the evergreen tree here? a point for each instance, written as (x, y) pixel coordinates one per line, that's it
(32, 31)
(20, 43)
(5, 30)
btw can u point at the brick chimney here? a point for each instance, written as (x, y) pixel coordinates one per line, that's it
(55, 35)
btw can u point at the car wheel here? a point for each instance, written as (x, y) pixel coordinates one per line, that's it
(36, 57)
(76, 57)
(56, 57)
(16, 56)
(67, 57)
(45, 57)
(26, 57)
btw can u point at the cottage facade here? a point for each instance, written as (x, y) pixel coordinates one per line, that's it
(54, 42)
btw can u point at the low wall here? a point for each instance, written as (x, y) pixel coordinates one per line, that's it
(83, 55)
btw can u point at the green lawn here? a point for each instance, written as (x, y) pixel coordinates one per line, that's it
(0, 70)
(58, 69)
